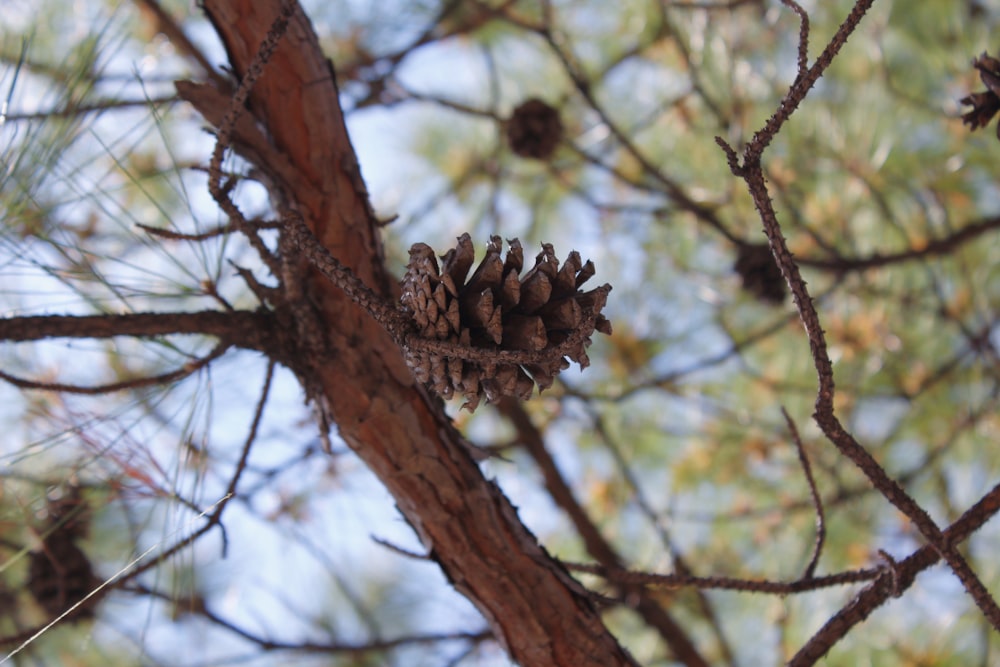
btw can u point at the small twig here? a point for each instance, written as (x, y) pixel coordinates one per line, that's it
(711, 6)
(798, 91)
(803, 63)
(243, 328)
(399, 550)
(215, 518)
(728, 583)
(74, 111)
(816, 499)
(236, 106)
(220, 230)
(893, 566)
(211, 288)
(305, 242)
(137, 383)
(264, 293)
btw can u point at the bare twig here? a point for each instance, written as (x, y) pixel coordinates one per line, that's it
(710, 6)
(305, 242)
(190, 367)
(803, 62)
(312, 647)
(219, 230)
(395, 548)
(752, 172)
(236, 106)
(893, 582)
(933, 248)
(74, 111)
(802, 585)
(813, 492)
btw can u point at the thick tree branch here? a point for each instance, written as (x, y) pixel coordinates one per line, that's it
(537, 611)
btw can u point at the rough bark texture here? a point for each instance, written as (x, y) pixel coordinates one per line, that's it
(538, 612)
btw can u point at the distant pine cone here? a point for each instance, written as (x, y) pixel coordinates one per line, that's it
(985, 104)
(761, 275)
(60, 575)
(498, 334)
(534, 130)
(69, 511)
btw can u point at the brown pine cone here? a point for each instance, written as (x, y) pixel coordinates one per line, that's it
(761, 275)
(534, 130)
(60, 575)
(498, 334)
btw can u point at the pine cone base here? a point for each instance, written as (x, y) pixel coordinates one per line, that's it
(498, 333)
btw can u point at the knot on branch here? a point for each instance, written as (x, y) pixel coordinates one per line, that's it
(496, 333)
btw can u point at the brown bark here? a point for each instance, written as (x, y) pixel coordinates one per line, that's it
(537, 611)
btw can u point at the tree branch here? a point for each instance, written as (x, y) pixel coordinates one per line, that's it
(246, 329)
(752, 172)
(538, 612)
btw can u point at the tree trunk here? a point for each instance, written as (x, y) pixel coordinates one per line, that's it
(540, 614)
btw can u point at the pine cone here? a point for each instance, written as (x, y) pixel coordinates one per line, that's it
(985, 104)
(498, 334)
(534, 130)
(761, 275)
(60, 575)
